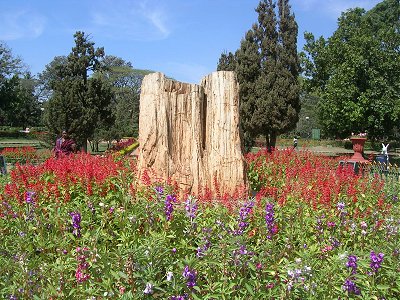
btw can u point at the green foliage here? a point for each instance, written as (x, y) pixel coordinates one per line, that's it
(227, 62)
(308, 116)
(50, 75)
(356, 72)
(79, 101)
(267, 69)
(25, 111)
(126, 82)
(128, 241)
(9, 64)
(18, 104)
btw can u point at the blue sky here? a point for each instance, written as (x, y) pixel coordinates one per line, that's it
(181, 38)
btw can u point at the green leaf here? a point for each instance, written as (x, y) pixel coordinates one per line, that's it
(123, 275)
(249, 288)
(195, 297)
(382, 287)
(251, 266)
(197, 288)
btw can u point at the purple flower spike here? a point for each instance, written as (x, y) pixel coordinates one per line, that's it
(352, 263)
(270, 220)
(376, 261)
(159, 190)
(190, 276)
(29, 197)
(76, 223)
(169, 200)
(191, 207)
(244, 213)
(351, 287)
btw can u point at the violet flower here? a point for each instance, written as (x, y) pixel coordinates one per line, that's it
(168, 209)
(351, 287)
(341, 206)
(270, 220)
(191, 207)
(82, 273)
(149, 289)
(190, 276)
(202, 249)
(184, 297)
(376, 261)
(352, 263)
(76, 223)
(244, 213)
(29, 197)
(159, 190)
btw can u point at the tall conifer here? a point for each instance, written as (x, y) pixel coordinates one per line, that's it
(267, 68)
(79, 100)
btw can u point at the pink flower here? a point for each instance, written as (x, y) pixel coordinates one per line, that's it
(327, 249)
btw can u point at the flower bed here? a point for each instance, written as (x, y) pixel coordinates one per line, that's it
(24, 154)
(81, 228)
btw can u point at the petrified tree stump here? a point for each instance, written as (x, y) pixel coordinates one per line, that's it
(190, 133)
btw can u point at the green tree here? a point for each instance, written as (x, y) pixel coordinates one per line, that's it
(10, 65)
(79, 100)
(18, 103)
(356, 72)
(9, 70)
(267, 69)
(126, 82)
(227, 62)
(25, 109)
(248, 69)
(308, 116)
(48, 77)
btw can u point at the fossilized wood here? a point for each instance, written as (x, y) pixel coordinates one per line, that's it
(190, 133)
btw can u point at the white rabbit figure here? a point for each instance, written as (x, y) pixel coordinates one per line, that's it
(384, 149)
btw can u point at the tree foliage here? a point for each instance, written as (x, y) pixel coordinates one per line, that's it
(79, 100)
(267, 69)
(18, 104)
(356, 72)
(25, 107)
(50, 75)
(126, 82)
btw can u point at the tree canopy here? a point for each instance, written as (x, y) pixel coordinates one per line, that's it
(126, 82)
(18, 104)
(356, 72)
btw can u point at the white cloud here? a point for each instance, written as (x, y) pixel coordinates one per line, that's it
(21, 24)
(135, 20)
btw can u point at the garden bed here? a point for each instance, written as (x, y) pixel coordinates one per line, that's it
(82, 227)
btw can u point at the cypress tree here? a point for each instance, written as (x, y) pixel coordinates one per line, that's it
(248, 70)
(227, 62)
(79, 101)
(267, 68)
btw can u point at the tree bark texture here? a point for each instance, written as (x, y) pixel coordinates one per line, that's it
(189, 133)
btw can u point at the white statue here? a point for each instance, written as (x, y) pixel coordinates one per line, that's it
(384, 149)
